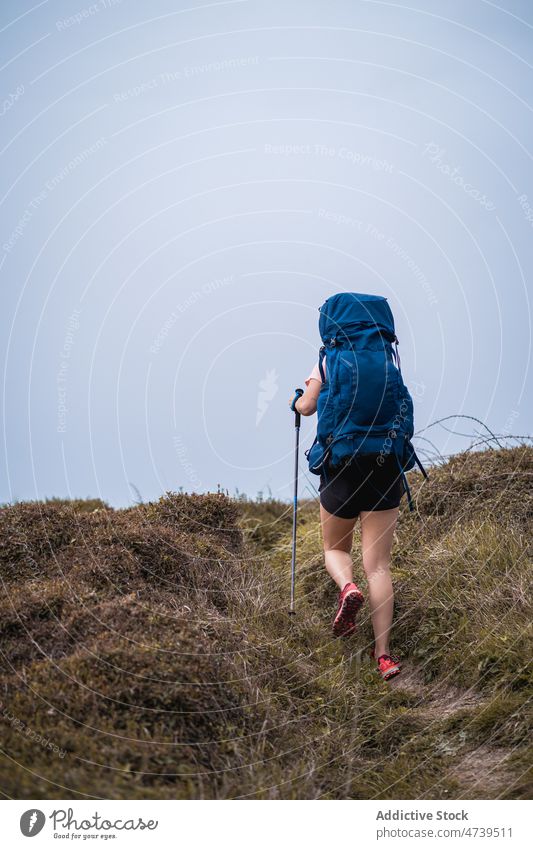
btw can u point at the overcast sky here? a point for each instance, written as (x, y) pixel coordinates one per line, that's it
(183, 184)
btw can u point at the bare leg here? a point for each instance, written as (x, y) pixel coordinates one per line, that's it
(377, 530)
(337, 535)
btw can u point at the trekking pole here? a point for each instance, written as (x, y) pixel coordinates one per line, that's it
(298, 394)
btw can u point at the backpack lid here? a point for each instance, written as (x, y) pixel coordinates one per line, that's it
(352, 311)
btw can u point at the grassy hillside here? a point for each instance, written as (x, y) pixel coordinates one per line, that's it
(148, 652)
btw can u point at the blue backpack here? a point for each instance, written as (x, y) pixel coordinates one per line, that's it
(364, 407)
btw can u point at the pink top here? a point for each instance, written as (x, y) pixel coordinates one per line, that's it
(315, 374)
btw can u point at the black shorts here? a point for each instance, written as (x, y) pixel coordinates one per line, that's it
(362, 485)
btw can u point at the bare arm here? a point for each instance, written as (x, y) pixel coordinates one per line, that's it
(306, 405)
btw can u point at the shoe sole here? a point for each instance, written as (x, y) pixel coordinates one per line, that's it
(349, 610)
(390, 673)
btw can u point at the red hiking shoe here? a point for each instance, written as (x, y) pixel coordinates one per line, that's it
(350, 600)
(388, 666)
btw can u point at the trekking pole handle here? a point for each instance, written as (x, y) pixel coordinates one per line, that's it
(297, 416)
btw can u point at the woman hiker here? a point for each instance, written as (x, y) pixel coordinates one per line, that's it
(367, 485)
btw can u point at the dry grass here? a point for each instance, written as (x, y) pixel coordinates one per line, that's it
(151, 649)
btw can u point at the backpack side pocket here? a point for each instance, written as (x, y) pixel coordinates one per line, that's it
(316, 456)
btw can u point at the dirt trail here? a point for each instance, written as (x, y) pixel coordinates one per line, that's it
(481, 771)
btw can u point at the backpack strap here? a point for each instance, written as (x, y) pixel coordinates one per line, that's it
(404, 480)
(420, 466)
(397, 354)
(404, 477)
(406, 486)
(321, 355)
